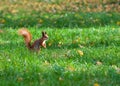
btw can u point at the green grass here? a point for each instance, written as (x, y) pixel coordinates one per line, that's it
(60, 20)
(83, 47)
(60, 64)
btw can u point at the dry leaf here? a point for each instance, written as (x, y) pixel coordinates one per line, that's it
(60, 79)
(1, 31)
(96, 84)
(98, 63)
(71, 68)
(76, 40)
(2, 21)
(20, 79)
(116, 68)
(68, 53)
(118, 23)
(49, 44)
(60, 44)
(113, 28)
(8, 60)
(40, 21)
(80, 52)
(81, 46)
(46, 63)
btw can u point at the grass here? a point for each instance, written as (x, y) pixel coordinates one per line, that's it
(78, 56)
(83, 47)
(60, 20)
(59, 13)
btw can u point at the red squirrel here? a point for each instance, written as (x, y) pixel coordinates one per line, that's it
(37, 43)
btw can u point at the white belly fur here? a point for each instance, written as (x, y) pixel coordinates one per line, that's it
(44, 42)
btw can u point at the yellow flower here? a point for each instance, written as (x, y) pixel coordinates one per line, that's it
(80, 52)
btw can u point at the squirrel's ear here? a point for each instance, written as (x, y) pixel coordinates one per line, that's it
(45, 32)
(42, 33)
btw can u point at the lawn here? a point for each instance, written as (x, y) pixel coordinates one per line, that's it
(83, 48)
(73, 57)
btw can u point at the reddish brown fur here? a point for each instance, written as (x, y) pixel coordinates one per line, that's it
(37, 43)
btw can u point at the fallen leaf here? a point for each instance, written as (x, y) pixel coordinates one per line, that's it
(8, 60)
(60, 44)
(1, 31)
(113, 28)
(3, 21)
(20, 79)
(49, 44)
(80, 52)
(68, 53)
(60, 79)
(40, 21)
(46, 63)
(98, 63)
(96, 84)
(81, 46)
(71, 68)
(116, 68)
(118, 23)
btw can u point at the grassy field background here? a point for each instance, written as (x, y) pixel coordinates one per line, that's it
(83, 47)
(72, 57)
(59, 13)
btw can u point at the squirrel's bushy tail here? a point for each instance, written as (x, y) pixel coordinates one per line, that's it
(27, 36)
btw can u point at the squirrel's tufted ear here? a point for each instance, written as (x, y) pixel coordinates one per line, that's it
(43, 33)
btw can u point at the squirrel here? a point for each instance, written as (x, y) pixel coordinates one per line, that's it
(37, 44)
